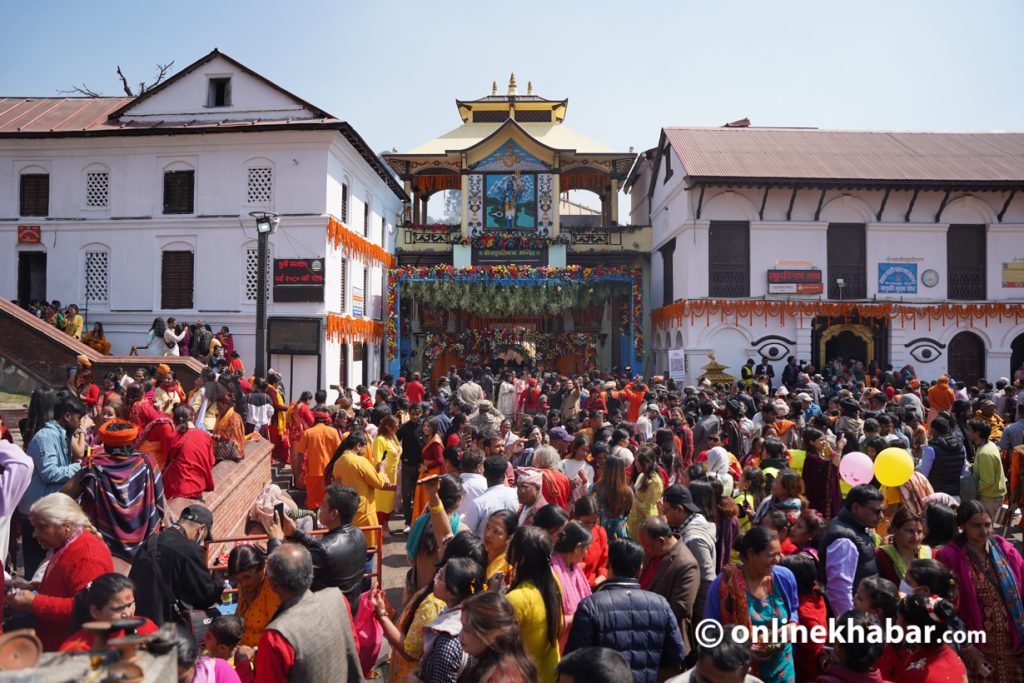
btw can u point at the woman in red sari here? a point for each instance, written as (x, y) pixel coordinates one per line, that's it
(433, 463)
(190, 461)
(299, 418)
(156, 430)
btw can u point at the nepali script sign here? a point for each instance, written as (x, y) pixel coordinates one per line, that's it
(500, 256)
(299, 280)
(677, 365)
(795, 281)
(897, 278)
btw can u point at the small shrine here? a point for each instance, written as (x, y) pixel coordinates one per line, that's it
(526, 277)
(714, 372)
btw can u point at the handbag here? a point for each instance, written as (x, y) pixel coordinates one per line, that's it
(197, 621)
(369, 633)
(968, 487)
(226, 449)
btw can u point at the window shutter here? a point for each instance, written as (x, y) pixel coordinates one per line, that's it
(177, 272)
(344, 203)
(366, 219)
(965, 261)
(344, 284)
(179, 191)
(366, 292)
(35, 194)
(729, 259)
(847, 259)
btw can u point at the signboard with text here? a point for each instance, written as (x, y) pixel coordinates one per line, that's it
(897, 278)
(358, 301)
(483, 256)
(677, 365)
(1013, 274)
(795, 281)
(29, 234)
(298, 280)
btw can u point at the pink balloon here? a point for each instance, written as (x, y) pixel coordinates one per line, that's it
(856, 468)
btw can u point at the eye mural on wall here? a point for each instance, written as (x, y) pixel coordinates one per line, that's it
(773, 347)
(924, 350)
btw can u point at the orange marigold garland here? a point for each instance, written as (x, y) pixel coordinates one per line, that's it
(355, 245)
(344, 328)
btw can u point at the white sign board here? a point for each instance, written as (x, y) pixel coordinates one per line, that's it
(677, 364)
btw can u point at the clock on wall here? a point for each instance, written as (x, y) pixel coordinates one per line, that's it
(930, 278)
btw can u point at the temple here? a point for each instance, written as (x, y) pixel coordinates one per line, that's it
(519, 274)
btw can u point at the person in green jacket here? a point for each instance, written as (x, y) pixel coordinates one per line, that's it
(988, 467)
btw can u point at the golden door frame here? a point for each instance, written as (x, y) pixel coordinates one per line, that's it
(862, 331)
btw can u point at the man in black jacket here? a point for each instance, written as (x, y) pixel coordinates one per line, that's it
(339, 556)
(411, 438)
(637, 623)
(171, 566)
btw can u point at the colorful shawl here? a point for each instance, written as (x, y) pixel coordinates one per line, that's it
(732, 596)
(419, 528)
(923, 553)
(230, 426)
(1008, 586)
(124, 496)
(915, 491)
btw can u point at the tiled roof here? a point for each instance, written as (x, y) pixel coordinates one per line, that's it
(837, 155)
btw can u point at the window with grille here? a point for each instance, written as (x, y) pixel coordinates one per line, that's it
(729, 259)
(252, 270)
(260, 190)
(97, 276)
(366, 219)
(344, 283)
(34, 194)
(177, 272)
(97, 190)
(366, 291)
(966, 253)
(344, 203)
(179, 191)
(847, 260)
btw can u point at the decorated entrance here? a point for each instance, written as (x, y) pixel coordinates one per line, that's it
(514, 316)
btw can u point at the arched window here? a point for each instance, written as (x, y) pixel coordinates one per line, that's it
(96, 274)
(96, 187)
(179, 188)
(259, 182)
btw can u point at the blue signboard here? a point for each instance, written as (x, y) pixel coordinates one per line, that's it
(897, 278)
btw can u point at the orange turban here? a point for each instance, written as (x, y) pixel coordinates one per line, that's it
(117, 432)
(163, 369)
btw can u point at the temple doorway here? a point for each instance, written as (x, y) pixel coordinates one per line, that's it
(966, 358)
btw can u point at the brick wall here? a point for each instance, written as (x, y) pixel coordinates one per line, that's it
(235, 487)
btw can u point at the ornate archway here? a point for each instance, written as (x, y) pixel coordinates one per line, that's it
(846, 341)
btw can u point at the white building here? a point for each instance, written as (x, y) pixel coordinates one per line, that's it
(139, 207)
(906, 248)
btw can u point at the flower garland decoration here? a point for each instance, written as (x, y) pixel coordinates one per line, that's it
(516, 289)
(906, 313)
(345, 328)
(356, 246)
(475, 346)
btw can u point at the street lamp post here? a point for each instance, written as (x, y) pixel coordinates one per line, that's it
(266, 224)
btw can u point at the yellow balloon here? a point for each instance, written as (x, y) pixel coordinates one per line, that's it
(893, 467)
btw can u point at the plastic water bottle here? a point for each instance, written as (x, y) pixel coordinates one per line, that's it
(227, 597)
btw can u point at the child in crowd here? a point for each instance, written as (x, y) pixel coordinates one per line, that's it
(752, 494)
(787, 495)
(779, 522)
(222, 639)
(808, 656)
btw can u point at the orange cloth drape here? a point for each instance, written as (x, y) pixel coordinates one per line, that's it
(355, 245)
(907, 313)
(347, 329)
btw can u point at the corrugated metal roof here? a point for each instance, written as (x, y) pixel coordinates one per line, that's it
(34, 115)
(839, 155)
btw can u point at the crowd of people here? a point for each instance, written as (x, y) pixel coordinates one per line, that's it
(556, 528)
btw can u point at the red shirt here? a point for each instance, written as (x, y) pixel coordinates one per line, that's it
(81, 640)
(90, 394)
(595, 562)
(189, 469)
(647, 575)
(805, 655)
(415, 392)
(70, 570)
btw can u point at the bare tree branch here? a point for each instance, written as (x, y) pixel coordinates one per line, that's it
(161, 73)
(80, 90)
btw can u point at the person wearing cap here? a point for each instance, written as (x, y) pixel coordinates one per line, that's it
(811, 409)
(940, 397)
(528, 489)
(635, 393)
(121, 490)
(560, 438)
(56, 451)
(315, 448)
(698, 534)
(171, 566)
(987, 412)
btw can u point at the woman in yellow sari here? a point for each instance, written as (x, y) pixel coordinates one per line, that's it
(97, 340)
(229, 426)
(388, 448)
(257, 602)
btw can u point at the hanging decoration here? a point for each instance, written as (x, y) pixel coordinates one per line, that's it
(347, 329)
(908, 314)
(476, 346)
(436, 183)
(356, 246)
(516, 290)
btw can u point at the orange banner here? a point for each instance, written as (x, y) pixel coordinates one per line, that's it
(356, 246)
(346, 329)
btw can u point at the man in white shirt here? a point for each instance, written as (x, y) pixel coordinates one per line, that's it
(497, 496)
(472, 476)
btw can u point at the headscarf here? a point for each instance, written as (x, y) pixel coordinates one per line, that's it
(718, 468)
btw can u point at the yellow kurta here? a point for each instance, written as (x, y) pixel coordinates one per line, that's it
(356, 471)
(532, 618)
(257, 611)
(645, 503)
(425, 613)
(388, 450)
